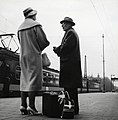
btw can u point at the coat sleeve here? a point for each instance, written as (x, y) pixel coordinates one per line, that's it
(57, 50)
(41, 37)
(18, 36)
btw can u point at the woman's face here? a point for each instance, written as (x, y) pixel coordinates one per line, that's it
(66, 26)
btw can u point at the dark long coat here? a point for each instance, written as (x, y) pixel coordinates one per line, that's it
(70, 61)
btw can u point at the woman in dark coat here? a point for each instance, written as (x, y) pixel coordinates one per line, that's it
(70, 62)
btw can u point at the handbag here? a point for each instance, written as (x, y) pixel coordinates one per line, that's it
(68, 107)
(45, 60)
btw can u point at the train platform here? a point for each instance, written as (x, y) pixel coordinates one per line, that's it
(93, 106)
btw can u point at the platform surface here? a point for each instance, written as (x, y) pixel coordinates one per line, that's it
(93, 106)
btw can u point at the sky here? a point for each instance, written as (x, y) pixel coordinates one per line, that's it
(93, 18)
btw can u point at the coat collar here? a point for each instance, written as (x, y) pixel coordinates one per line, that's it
(66, 33)
(28, 23)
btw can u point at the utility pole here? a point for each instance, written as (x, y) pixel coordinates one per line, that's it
(85, 75)
(112, 84)
(103, 65)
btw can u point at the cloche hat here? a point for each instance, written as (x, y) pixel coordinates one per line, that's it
(29, 12)
(68, 19)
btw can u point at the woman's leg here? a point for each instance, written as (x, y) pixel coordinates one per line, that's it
(24, 99)
(32, 95)
(31, 108)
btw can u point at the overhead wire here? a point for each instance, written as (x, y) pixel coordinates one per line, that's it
(5, 21)
(101, 21)
(97, 15)
(109, 25)
(10, 22)
(103, 25)
(2, 31)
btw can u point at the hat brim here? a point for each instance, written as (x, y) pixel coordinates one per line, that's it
(32, 13)
(63, 21)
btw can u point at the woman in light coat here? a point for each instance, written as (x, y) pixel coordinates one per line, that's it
(32, 41)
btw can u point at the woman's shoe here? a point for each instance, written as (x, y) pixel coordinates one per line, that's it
(23, 110)
(32, 111)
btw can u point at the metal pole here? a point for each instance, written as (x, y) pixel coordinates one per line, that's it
(85, 75)
(103, 66)
(112, 82)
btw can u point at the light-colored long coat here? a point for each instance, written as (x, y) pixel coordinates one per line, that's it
(32, 40)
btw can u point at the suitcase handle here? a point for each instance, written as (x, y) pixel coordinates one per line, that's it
(63, 95)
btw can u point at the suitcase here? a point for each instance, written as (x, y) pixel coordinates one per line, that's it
(50, 105)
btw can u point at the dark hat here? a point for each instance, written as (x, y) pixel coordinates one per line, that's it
(67, 19)
(29, 12)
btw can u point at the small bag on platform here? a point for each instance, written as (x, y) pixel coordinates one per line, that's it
(68, 107)
(45, 60)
